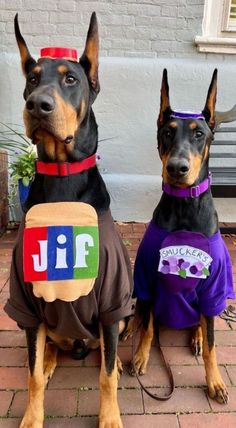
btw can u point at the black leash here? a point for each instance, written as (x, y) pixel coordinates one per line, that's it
(166, 365)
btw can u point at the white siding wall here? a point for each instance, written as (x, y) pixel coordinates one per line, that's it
(138, 39)
(127, 27)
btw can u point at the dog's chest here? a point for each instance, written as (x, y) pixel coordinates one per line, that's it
(109, 300)
(182, 280)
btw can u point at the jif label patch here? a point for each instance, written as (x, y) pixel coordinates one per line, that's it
(60, 252)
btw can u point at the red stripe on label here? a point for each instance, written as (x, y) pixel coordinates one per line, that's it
(31, 247)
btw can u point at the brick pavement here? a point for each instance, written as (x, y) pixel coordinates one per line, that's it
(72, 396)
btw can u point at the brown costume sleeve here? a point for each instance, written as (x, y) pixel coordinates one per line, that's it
(20, 306)
(115, 274)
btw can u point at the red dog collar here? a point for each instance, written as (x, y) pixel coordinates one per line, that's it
(63, 169)
(55, 52)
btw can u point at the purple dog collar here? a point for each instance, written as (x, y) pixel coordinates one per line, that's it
(189, 192)
(187, 115)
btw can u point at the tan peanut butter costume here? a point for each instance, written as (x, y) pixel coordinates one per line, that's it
(109, 300)
(62, 213)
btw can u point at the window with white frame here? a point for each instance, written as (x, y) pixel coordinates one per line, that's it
(229, 17)
(218, 27)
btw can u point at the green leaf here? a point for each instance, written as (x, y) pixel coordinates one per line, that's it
(15, 177)
(13, 139)
(14, 132)
(182, 273)
(205, 271)
(25, 181)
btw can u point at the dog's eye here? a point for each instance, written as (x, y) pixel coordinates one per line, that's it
(33, 80)
(198, 134)
(70, 80)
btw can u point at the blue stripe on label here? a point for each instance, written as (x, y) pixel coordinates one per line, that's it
(60, 252)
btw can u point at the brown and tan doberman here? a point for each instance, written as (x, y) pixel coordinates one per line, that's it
(59, 119)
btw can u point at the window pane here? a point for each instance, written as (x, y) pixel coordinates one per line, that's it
(233, 9)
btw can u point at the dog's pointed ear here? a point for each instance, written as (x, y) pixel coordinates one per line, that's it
(89, 59)
(165, 108)
(27, 61)
(209, 109)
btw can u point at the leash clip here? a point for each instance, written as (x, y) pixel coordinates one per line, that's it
(195, 192)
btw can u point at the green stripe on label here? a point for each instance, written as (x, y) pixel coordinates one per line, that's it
(86, 251)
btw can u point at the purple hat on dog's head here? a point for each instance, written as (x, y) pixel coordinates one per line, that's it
(186, 115)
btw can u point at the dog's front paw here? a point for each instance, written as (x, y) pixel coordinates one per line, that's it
(129, 330)
(32, 419)
(139, 364)
(28, 422)
(110, 421)
(218, 390)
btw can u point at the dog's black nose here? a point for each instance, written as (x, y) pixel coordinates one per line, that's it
(177, 167)
(40, 105)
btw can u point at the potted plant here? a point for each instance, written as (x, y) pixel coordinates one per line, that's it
(21, 160)
(22, 172)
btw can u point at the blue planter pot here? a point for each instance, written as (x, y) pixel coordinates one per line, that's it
(23, 192)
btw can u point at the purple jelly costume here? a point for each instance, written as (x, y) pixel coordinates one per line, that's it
(179, 305)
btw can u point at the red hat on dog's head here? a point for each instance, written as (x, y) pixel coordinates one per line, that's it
(56, 52)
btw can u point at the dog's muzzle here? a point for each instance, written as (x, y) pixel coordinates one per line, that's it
(40, 105)
(177, 168)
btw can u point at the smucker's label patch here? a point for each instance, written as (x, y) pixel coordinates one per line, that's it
(184, 261)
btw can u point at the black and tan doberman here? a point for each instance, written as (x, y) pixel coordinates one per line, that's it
(59, 119)
(186, 205)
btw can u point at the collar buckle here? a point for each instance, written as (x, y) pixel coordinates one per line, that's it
(195, 192)
(63, 169)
